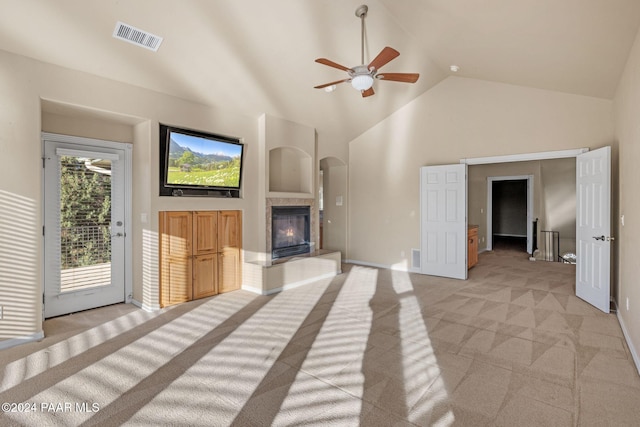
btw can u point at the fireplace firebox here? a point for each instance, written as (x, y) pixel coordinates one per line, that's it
(290, 231)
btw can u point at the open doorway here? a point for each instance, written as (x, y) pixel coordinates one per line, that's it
(332, 193)
(551, 194)
(510, 213)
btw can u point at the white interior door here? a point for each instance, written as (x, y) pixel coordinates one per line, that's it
(443, 220)
(593, 227)
(84, 215)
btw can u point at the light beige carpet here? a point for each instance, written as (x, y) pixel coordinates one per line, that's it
(511, 346)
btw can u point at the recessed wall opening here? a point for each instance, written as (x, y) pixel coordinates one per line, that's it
(509, 221)
(510, 212)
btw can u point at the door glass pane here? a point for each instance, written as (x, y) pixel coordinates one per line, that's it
(85, 223)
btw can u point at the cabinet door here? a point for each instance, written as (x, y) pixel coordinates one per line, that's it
(229, 275)
(205, 275)
(229, 229)
(175, 257)
(230, 247)
(204, 232)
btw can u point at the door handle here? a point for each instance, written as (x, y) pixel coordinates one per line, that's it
(118, 235)
(608, 239)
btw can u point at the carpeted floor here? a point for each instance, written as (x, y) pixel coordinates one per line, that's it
(511, 346)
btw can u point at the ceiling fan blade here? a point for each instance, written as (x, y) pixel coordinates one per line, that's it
(325, 61)
(385, 56)
(330, 84)
(399, 77)
(368, 92)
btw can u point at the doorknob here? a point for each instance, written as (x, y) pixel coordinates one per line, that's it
(611, 239)
(599, 238)
(118, 235)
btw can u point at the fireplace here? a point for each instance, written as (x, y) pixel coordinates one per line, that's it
(290, 231)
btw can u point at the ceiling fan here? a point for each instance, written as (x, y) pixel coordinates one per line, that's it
(362, 76)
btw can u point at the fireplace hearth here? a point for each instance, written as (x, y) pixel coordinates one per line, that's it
(290, 231)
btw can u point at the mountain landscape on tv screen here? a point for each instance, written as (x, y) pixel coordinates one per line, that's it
(176, 151)
(190, 168)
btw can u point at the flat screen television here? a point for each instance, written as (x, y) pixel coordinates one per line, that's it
(194, 163)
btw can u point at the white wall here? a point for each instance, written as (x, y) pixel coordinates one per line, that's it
(456, 119)
(627, 113)
(23, 83)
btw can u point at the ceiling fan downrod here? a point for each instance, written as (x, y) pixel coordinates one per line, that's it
(361, 12)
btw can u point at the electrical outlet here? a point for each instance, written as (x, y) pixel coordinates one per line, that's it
(482, 239)
(627, 303)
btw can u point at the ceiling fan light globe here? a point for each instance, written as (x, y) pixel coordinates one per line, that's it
(362, 82)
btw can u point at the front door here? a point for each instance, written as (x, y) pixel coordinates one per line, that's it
(593, 227)
(84, 189)
(443, 221)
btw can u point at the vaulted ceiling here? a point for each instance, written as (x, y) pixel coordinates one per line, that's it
(257, 56)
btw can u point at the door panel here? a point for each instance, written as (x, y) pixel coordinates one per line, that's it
(593, 227)
(205, 275)
(230, 274)
(443, 223)
(205, 232)
(229, 229)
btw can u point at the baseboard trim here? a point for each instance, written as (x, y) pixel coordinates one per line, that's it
(12, 342)
(627, 338)
(145, 307)
(290, 285)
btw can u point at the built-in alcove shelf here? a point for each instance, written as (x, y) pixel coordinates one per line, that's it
(290, 171)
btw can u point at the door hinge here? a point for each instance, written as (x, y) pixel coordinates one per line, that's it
(43, 230)
(43, 160)
(43, 298)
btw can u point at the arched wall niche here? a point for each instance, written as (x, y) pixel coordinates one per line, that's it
(290, 170)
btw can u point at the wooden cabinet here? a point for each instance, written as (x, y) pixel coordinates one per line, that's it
(200, 254)
(472, 252)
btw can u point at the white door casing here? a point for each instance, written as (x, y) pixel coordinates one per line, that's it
(443, 221)
(593, 227)
(92, 290)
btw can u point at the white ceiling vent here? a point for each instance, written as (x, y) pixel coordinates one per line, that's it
(137, 36)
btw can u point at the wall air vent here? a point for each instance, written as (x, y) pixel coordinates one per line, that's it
(137, 36)
(415, 259)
